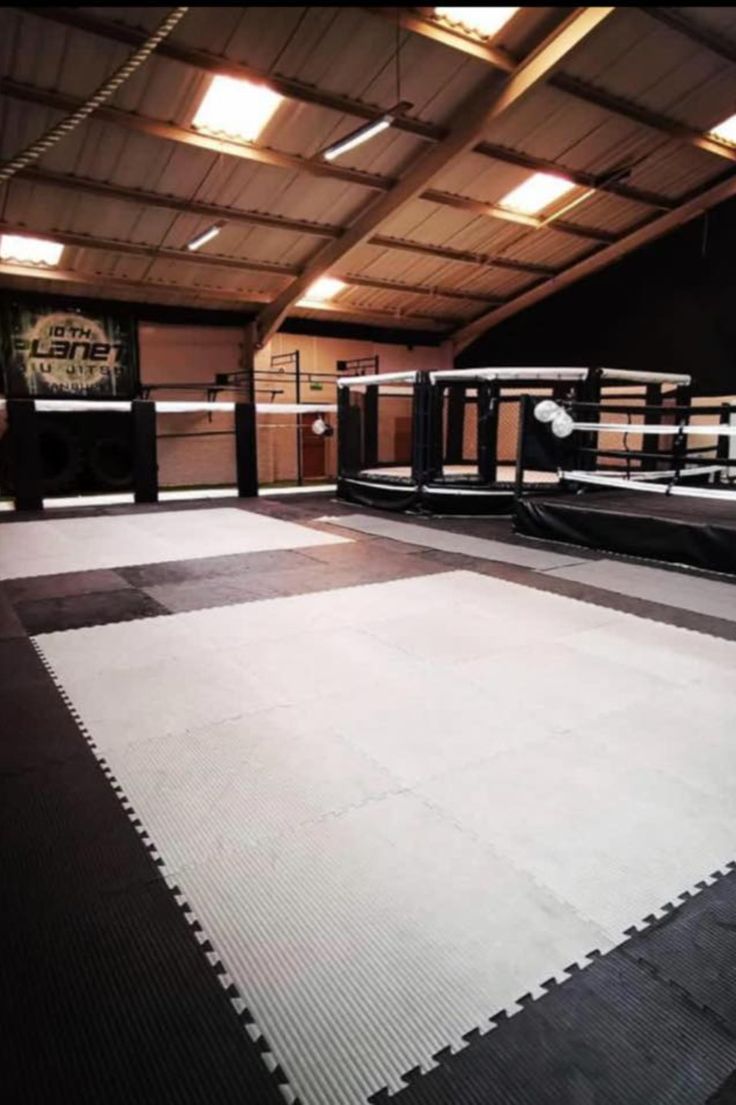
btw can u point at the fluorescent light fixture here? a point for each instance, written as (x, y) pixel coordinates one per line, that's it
(205, 236)
(357, 137)
(725, 130)
(29, 251)
(484, 22)
(364, 133)
(238, 109)
(536, 193)
(323, 289)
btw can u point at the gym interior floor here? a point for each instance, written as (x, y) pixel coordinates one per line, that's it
(341, 811)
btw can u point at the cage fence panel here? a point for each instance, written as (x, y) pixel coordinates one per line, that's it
(395, 427)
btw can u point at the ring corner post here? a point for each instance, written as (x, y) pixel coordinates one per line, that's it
(246, 450)
(25, 454)
(145, 462)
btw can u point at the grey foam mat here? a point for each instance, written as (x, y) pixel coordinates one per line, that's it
(446, 541)
(679, 589)
(67, 545)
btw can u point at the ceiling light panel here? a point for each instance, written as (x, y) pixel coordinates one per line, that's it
(327, 287)
(484, 22)
(29, 251)
(237, 109)
(726, 130)
(536, 193)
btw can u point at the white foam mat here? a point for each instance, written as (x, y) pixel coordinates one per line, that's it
(431, 538)
(82, 544)
(680, 589)
(397, 808)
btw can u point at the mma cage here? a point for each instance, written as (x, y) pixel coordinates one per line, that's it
(466, 441)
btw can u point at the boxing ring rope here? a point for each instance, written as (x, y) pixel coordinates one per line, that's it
(658, 431)
(563, 425)
(467, 375)
(167, 406)
(651, 485)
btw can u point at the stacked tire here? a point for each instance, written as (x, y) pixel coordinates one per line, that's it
(79, 452)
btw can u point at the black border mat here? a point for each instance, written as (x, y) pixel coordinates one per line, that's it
(107, 996)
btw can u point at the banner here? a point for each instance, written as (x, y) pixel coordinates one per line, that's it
(52, 351)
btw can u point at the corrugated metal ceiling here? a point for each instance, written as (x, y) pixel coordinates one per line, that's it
(351, 53)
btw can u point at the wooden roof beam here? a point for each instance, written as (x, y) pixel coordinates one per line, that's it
(616, 105)
(701, 36)
(466, 130)
(187, 136)
(170, 132)
(113, 245)
(214, 211)
(138, 196)
(95, 282)
(654, 228)
(587, 93)
(82, 19)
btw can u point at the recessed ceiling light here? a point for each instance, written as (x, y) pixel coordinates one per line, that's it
(725, 130)
(29, 251)
(485, 22)
(323, 289)
(239, 109)
(536, 193)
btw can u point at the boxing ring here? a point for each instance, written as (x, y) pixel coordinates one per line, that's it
(242, 422)
(464, 441)
(672, 499)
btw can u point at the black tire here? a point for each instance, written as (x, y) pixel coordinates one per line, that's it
(61, 454)
(110, 461)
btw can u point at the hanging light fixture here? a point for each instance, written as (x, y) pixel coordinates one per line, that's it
(205, 236)
(364, 133)
(375, 126)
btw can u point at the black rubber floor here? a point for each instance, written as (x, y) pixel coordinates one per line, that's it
(107, 996)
